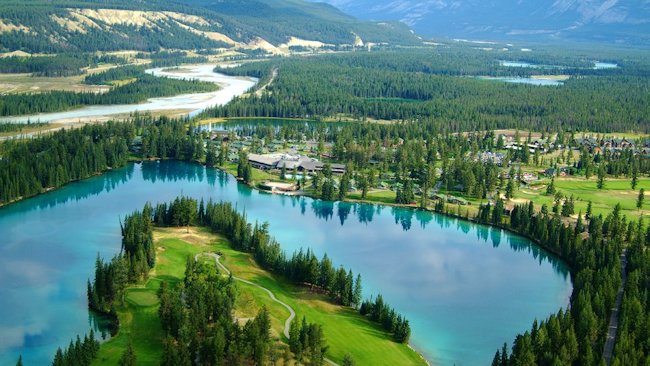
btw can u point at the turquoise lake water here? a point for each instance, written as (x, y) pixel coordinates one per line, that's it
(465, 288)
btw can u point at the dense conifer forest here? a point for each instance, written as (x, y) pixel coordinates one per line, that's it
(432, 88)
(57, 65)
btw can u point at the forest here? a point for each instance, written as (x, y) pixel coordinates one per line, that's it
(577, 335)
(32, 167)
(396, 86)
(54, 66)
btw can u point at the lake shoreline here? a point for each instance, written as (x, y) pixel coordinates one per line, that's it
(134, 162)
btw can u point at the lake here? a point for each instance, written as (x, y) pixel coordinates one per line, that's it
(598, 65)
(520, 80)
(465, 288)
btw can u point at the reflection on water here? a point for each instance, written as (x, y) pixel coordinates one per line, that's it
(465, 288)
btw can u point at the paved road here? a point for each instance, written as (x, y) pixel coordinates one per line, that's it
(612, 329)
(292, 313)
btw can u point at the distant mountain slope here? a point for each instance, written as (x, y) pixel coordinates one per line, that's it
(90, 25)
(621, 21)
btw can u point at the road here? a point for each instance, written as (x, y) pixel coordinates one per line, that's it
(612, 329)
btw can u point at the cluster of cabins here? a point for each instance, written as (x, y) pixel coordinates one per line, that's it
(598, 146)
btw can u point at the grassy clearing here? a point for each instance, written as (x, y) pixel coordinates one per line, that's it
(384, 196)
(603, 200)
(345, 330)
(258, 175)
(26, 83)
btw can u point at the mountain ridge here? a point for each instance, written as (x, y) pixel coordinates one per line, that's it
(612, 21)
(41, 26)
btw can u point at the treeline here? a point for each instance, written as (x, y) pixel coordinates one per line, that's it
(632, 346)
(307, 342)
(171, 58)
(31, 167)
(78, 353)
(196, 317)
(69, 155)
(116, 73)
(383, 314)
(146, 86)
(136, 258)
(591, 248)
(19, 127)
(57, 65)
(343, 85)
(302, 268)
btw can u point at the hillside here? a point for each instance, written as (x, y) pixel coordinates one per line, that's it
(609, 21)
(95, 25)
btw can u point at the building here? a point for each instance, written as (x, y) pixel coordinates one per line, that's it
(263, 162)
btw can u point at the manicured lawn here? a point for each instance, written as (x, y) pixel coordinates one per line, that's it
(138, 317)
(345, 330)
(603, 200)
(384, 196)
(258, 175)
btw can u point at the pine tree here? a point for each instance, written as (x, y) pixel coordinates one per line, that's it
(510, 189)
(640, 199)
(128, 357)
(635, 173)
(357, 293)
(550, 189)
(347, 360)
(601, 176)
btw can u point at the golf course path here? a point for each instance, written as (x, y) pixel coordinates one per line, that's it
(292, 313)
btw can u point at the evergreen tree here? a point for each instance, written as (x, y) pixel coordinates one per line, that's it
(347, 360)
(640, 198)
(357, 293)
(128, 357)
(510, 189)
(550, 189)
(601, 176)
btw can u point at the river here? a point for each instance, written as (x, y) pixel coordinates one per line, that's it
(193, 103)
(465, 288)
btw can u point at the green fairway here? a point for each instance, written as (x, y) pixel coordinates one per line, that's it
(138, 317)
(603, 200)
(345, 330)
(385, 196)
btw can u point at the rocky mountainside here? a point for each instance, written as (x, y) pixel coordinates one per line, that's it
(98, 25)
(612, 21)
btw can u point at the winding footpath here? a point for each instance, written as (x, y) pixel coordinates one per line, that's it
(612, 329)
(292, 313)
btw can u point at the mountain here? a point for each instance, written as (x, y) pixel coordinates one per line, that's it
(92, 25)
(613, 21)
